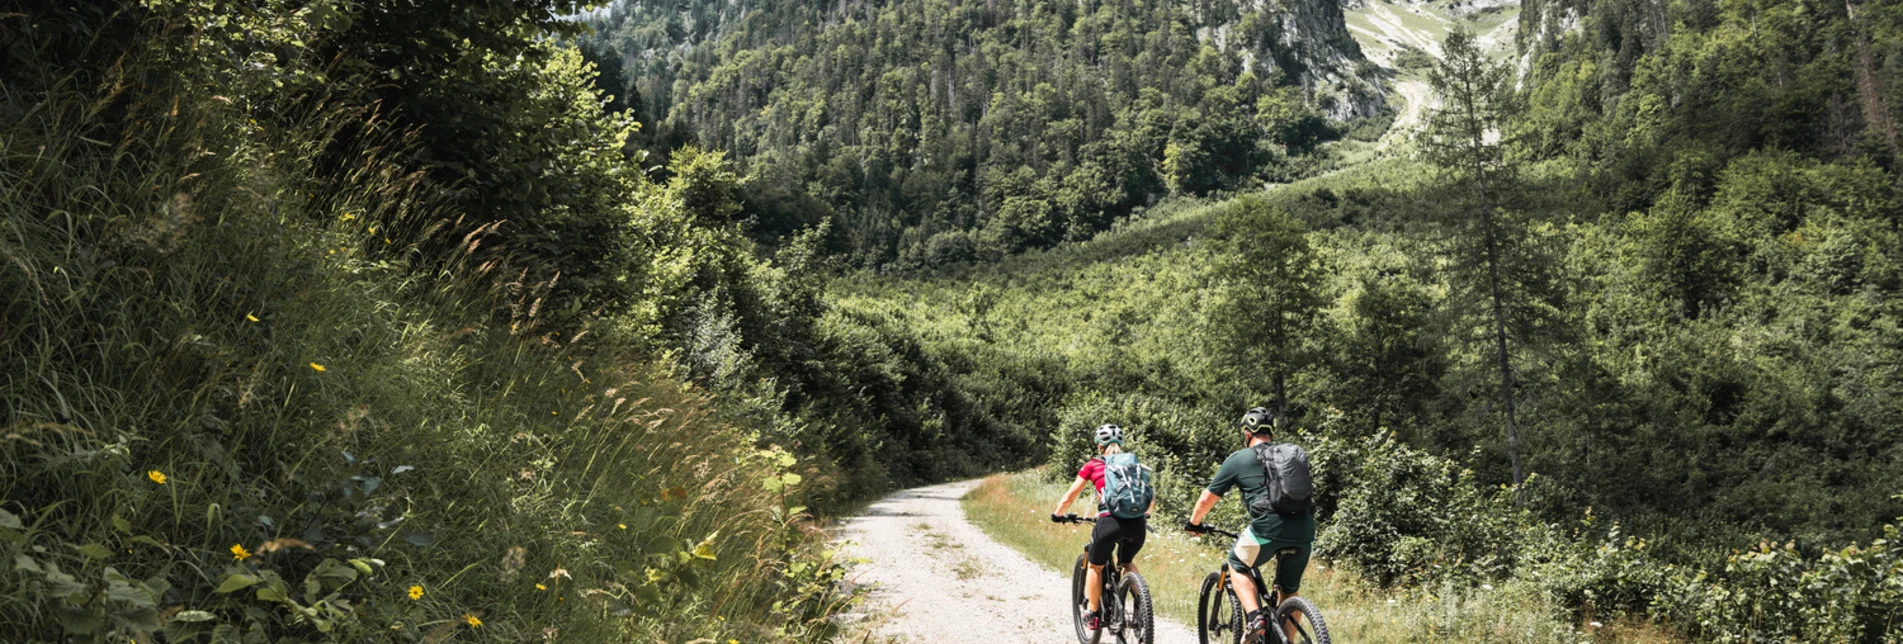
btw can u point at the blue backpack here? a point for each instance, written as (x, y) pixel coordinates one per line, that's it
(1127, 488)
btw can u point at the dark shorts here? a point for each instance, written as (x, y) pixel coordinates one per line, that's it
(1251, 551)
(1126, 535)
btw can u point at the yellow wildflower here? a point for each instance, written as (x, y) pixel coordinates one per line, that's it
(623, 526)
(317, 367)
(416, 592)
(472, 621)
(250, 317)
(156, 476)
(238, 552)
(541, 587)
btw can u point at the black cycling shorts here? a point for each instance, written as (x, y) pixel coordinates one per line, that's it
(1126, 535)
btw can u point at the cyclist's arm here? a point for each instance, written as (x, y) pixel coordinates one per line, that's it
(1070, 496)
(1203, 505)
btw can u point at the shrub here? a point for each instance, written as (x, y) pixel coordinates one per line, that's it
(1774, 593)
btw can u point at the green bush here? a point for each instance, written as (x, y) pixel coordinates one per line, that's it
(1774, 593)
(1404, 517)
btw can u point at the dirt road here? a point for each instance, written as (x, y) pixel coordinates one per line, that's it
(940, 579)
(1385, 28)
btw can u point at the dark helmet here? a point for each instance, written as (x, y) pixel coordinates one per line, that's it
(1258, 421)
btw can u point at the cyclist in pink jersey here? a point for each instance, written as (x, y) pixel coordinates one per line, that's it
(1125, 536)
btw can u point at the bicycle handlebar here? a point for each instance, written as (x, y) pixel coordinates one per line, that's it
(1072, 518)
(1218, 531)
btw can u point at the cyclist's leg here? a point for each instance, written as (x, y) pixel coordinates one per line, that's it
(1288, 574)
(1246, 554)
(1134, 532)
(1102, 542)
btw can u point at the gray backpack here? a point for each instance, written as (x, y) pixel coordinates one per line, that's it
(1290, 487)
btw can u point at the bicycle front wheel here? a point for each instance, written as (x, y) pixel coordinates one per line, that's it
(1139, 616)
(1079, 602)
(1218, 613)
(1307, 620)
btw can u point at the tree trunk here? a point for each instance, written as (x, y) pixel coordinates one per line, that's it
(1502, 358)
(1876, 111)
(1281, 395)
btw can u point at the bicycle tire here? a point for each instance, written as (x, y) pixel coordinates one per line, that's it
(1080, 603)
(1309, 627)
(1141, 612)
(1213, 624)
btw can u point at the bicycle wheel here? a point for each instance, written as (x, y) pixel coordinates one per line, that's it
(1218, 613)
(1309, 627)
(1139, 615)
(1080, 603)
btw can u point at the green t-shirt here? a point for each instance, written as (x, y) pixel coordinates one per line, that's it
(1242, 470)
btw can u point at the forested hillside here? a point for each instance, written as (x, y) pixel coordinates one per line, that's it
(1621, 333)
(932, 132)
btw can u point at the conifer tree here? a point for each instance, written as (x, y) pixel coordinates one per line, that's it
(1498, 268)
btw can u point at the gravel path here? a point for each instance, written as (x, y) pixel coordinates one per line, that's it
(941, 579)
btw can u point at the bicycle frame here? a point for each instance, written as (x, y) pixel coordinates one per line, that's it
(1111, 572)
(1267, 596)
(1117, 619)
(1114, 568)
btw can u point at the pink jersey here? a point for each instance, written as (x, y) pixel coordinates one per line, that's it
(1093, 472)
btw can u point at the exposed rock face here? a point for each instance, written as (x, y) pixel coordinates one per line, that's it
(1305, 40)
(1544, 22)
(1309, 41)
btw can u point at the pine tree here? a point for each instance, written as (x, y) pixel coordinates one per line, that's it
(1497, 265)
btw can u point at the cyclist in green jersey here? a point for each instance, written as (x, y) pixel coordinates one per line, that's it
(1266, 534)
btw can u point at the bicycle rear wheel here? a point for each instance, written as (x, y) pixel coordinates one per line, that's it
(1218, 613)
(1079, 602)
(1309, 627)
(1139, 615)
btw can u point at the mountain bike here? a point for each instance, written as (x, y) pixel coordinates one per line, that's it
(1219, 615)
(1127, 615)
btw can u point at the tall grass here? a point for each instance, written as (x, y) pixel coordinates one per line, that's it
(220, 417)
(1014, 510)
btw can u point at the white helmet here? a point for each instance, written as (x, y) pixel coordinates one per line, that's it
(1108, 434)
